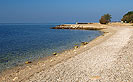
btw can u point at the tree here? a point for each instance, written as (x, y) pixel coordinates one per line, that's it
(108, 17)
(128, 17)
(105, 19)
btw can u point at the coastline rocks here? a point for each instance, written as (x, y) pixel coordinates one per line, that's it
(78, 26)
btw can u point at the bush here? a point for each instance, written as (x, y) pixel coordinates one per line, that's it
(105, 19)
(128, 18)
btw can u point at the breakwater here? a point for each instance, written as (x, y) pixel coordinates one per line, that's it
(79, 26)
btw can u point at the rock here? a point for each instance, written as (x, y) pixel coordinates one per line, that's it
(54, 53)
(15, 78)
(95, 77)
(105, 32)
(28, 62)
(84, 43)
(76, 47)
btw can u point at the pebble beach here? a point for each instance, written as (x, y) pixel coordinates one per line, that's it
(107, 58)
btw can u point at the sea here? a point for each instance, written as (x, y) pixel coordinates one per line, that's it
(29, 42)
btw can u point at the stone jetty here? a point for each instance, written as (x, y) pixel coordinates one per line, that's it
(89, 26)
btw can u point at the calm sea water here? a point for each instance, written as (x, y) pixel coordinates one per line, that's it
(27, 42)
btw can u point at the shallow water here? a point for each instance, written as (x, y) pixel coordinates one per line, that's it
(27, 42)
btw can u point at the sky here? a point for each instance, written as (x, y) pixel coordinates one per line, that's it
(61, 11)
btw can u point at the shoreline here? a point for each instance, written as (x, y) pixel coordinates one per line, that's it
(24, 72)
(50, 55)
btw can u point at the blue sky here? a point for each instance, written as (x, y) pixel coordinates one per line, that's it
(61, 11)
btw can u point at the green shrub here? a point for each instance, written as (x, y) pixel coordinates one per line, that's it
(105, 19)
(128, 18)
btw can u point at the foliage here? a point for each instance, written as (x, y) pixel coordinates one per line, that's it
(128, 18)
(108, 17)
(105, 19)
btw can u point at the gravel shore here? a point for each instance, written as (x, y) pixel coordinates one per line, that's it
(108, 58)
(110, 61)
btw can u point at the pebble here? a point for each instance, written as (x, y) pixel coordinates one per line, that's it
(15, 78)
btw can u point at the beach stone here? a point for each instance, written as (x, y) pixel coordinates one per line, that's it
(76, 47)
(28, 62)
(84, 43)
(54, 53)
(15, 78)
(95, 77)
